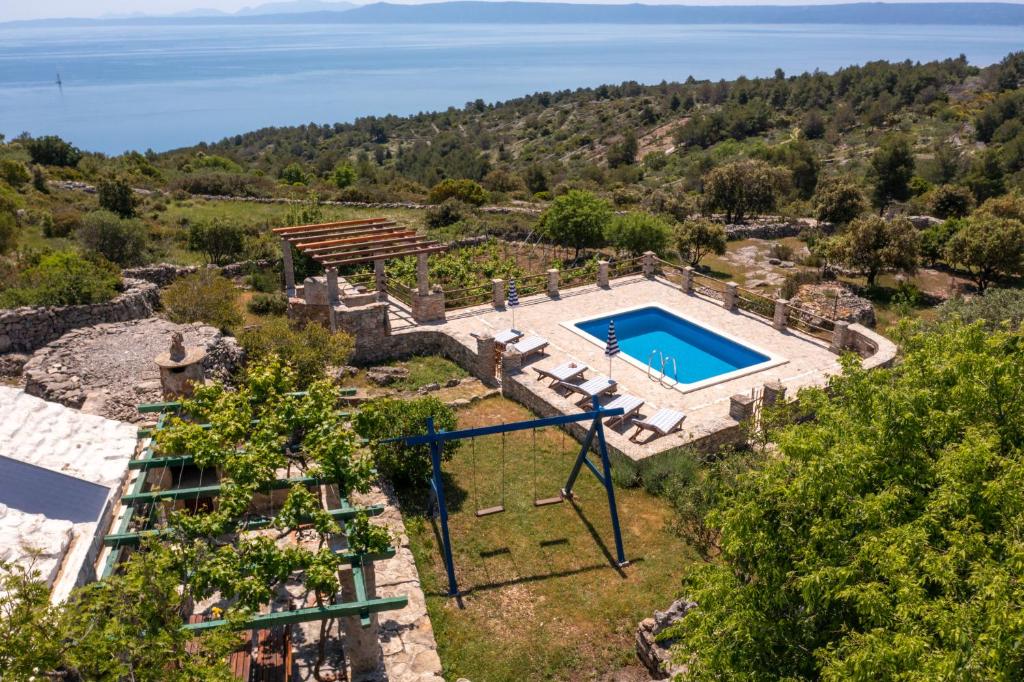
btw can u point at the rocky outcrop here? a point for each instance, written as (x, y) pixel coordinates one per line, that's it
(108, 369)
(655, 654)
(28, 328)
(834, 300)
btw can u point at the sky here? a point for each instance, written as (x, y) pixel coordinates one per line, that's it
(11, 10)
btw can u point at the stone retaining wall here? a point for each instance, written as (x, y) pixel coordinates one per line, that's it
(28, 328)
(163, 274)
(773, 228)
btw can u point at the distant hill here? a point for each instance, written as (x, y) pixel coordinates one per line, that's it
(316, 11)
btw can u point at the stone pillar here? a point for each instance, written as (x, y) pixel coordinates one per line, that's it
(649, 264)
(332, 297)
(741, 407)
(486, 360)
(428, 307)
(553, 283)
(511, 363)
(730, 295)
(380, 280)
(181, 369)
(781, 313)
(422, 275)
(687, 284)
(602, 274)
(289, 267)
(362, 645)
(498, 293)
(774, 393)
(840, 336)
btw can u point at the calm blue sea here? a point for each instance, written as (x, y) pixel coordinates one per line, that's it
(138, 87)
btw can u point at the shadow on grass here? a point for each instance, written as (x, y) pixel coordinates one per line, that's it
(597, 538)
(526, 579)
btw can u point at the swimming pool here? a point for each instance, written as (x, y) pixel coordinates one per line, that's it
(702, 356)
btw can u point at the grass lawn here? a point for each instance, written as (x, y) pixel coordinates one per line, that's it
(542, 600)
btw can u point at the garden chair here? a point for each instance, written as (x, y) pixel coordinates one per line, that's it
(567, 371)
(662, 422)
(630, 405)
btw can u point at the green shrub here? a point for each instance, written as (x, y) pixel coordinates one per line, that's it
(294, 174)
(464, 190)
(309, 350)
(268, 304)
(221, 184)
(53, 151)
(123, 241)
(8, 232)
(220, 241)
(64, 278)
(202, 297)
(344, 175)
(265, 281)
(448, 212)
(117, 196)
(391, 418)
(14, 173)
(995, 308)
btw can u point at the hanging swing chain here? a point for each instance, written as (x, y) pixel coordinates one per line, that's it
(503, 467)
(476, 488)
(535, 464)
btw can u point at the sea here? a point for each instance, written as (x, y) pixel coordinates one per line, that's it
(160, 87)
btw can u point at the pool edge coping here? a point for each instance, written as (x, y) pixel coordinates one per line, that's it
(774, 359)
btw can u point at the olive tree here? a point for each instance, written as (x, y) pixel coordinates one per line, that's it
(838, 201)
(744, 188)
(699, 237)
(872, 245)
(637, 232)
(890, 171)
(577, 219)
(988, 246)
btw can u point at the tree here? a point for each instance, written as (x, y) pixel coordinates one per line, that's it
(813, 125)
(742, 188)
(14, 173)
(294, 174)
(309, 350)
(387, 418)
(994, 308)
(951, 201)
(892, 166)
(204, 296)
(988, 246)
(986, 175)
(536, 179)
(637, 232)
(799, 158)
(623, 152)
(52, 151)
(117, 196)
(880, 540)
(872, 244)
(464, 190)
(699, 237)
(838, 201)
(344, 175)
(577, 219)
(220, 240)
(119, 240)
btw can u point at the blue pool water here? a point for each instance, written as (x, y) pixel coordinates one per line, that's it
(700, 354)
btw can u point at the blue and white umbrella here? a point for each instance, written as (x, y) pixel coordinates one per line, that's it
(513, 300)
(611, 345)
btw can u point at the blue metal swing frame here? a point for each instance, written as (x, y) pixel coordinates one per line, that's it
(436, 440)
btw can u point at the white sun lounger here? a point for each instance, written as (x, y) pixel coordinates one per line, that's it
(662, 422)
(600, 385)
(567, 371)
(630, 405)
(530, 345)
(503, 338)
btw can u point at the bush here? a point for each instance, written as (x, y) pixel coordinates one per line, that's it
(14, 173)
(577, 219)
(8, 232)
(448, 212)
(637, 232)
(223, 185)
(268, 304)
(64, 278)
(120, 240)
(53, 151)
(202, 297)
(309, 350)
(294, 174)
(117, 196)
(66, 222)
(464, 190)
(344, 174)
(266, 281)
(838, 201)
(220, 241)
(951, 201)
(995, 308)
(390, 418)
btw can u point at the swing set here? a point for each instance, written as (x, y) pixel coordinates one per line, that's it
(436, 440)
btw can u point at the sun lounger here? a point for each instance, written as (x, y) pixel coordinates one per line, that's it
(630, 405)
(600, 385)
(567, 371)
(508, 336)
(662, 422)
(530, 345)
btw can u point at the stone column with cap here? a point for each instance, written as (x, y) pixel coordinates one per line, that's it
(181, 369)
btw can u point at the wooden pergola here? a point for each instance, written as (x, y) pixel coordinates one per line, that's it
(351, 242)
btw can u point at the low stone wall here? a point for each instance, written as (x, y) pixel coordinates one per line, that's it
(876, 350)
(421, 341)
(163, 274)
(774, 228)
(28, 328)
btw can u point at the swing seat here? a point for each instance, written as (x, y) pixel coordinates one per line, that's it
(543, 502)
(487, 511)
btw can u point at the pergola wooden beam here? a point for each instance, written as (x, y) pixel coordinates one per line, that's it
(346, 234)
(390, 238)
(371, 247)
(292, 229)
(316, 235)
(335, 262)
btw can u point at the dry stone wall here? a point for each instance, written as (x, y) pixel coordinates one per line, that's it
(28, 328)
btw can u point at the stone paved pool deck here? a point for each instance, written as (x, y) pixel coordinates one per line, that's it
(807, 361)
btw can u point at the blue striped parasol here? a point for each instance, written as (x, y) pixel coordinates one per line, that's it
(611, 345)
(513, 300)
